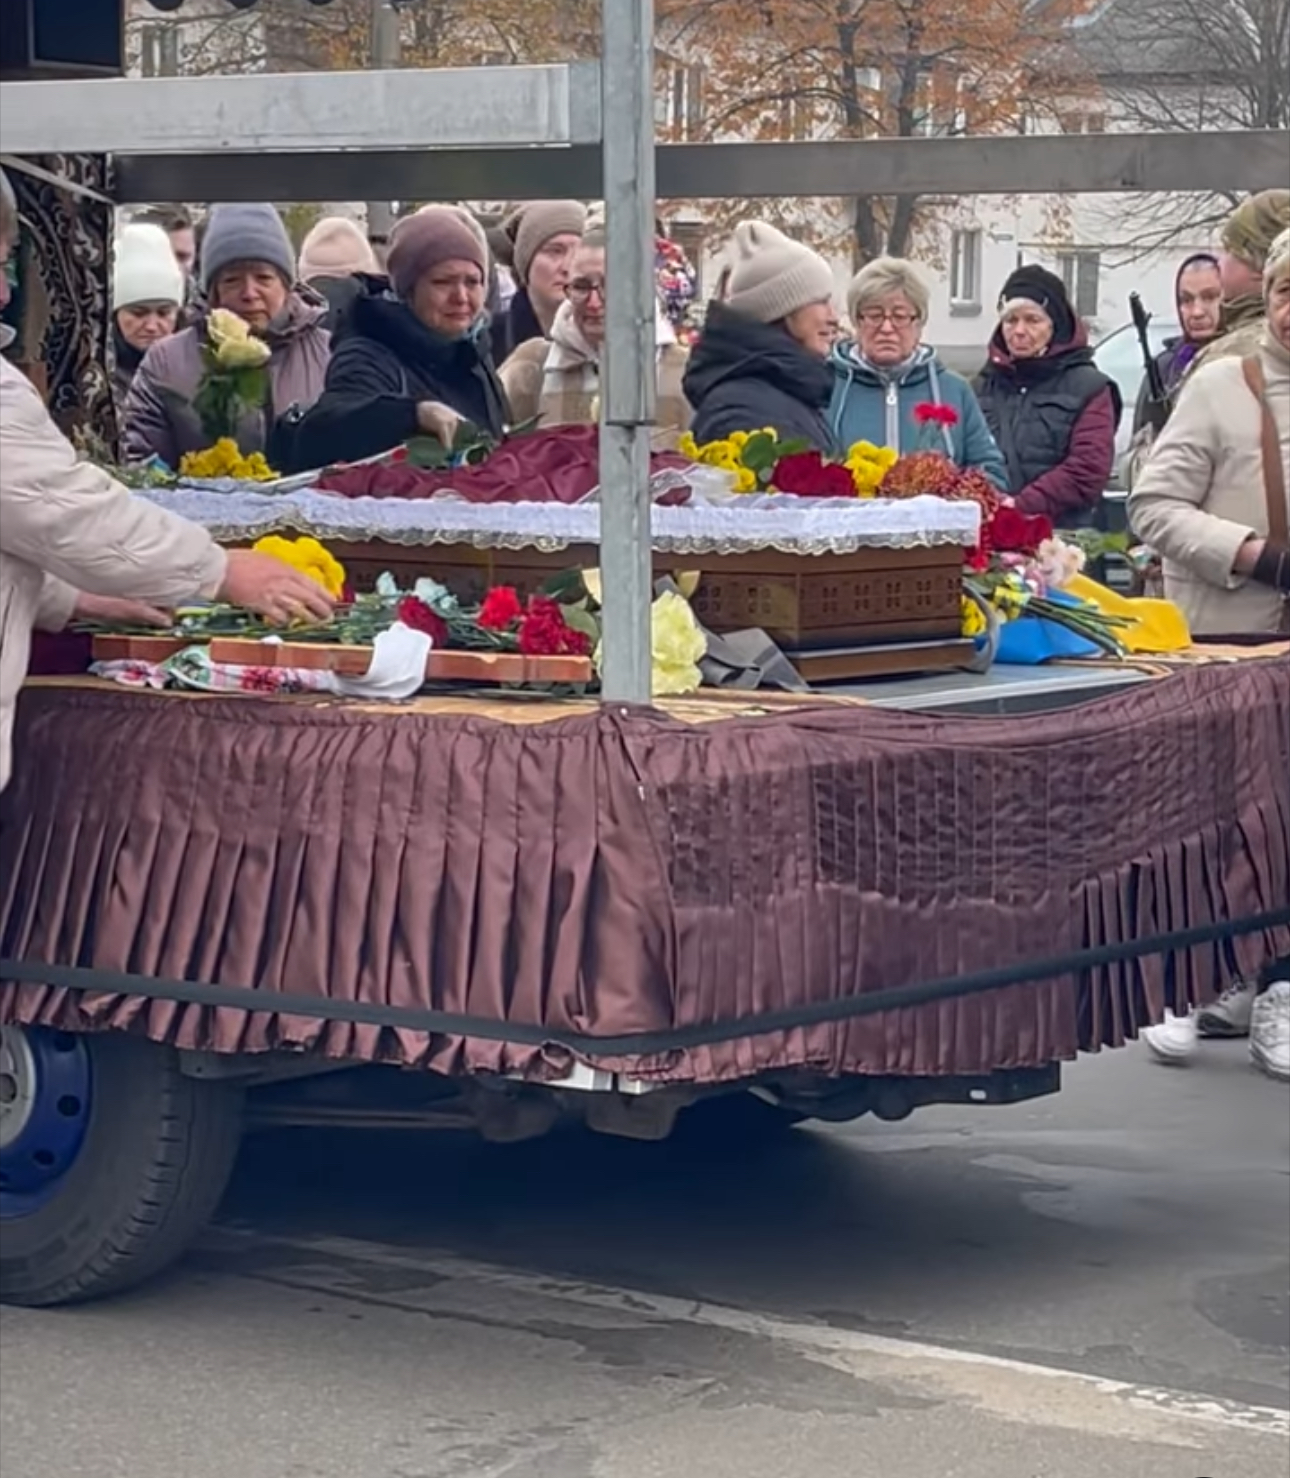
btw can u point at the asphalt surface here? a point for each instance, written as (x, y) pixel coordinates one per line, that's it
(1095, 1285)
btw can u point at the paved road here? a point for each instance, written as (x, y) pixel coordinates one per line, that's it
(1092, 1286)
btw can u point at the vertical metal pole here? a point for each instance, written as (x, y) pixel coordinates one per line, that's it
(627, 380)
(387, 53)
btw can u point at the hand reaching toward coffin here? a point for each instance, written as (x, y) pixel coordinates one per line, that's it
(117, 610)
(273, 589)
(438, 420)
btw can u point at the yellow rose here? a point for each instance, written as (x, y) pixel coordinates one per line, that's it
(676, 645)
(242, 354)
(224, 327)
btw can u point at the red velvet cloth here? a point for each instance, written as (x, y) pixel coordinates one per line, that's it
(59, 654)
(556, 466)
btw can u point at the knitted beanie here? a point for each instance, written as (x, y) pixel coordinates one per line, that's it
(435, 234)
(1255, 224)
(245, 233)
(532, 225)
(144, 269)
(1278, 263)
(335, 248)
(1035, 284)
(771, 276)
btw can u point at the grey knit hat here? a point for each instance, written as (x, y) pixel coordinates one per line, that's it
(531, 226)
(245, 233)
(771, 276)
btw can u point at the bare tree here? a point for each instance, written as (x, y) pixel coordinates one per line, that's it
(1190, 66)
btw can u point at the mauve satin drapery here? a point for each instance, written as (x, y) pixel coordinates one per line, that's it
(622, 871)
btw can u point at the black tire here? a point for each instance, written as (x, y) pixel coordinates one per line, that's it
(158, 1152)
(736, 1121)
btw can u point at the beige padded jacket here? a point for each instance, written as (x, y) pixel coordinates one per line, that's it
(66, 526)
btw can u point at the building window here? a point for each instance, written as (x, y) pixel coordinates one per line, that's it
(1081, 271)
(159, 50)
(965, 269)
(678, 104)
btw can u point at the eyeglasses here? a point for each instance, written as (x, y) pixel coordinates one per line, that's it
(581, 288)
(897, 317)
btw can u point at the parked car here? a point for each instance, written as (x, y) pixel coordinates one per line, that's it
(1119, 355)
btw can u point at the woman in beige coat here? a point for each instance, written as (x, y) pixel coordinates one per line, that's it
(75, 543)
(1211, 500)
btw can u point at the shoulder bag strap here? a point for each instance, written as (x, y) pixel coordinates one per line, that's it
(1274, 473)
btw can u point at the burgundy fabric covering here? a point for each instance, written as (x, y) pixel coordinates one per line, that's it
(622, 871)
(556, 466)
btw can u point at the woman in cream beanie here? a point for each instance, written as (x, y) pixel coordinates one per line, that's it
(762, 358)
(147, 290)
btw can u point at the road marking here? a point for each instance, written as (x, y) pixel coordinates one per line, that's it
(972, 1374)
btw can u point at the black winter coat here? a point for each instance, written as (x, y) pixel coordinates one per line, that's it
(384, 363)
(744, 375)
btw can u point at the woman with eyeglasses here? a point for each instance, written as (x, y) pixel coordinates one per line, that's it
(1052, 411)
(886, 371)
(412, 354)
(559, 379)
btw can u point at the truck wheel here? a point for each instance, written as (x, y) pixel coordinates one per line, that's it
(111, 1161)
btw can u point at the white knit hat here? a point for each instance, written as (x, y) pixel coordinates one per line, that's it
(144, 269)
(771, 276)
(335, 247)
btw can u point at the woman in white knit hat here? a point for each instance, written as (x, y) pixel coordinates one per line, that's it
(762, 358)
(147, 291)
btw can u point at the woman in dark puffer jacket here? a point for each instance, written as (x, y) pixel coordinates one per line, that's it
(1052, 411)
(762, 358)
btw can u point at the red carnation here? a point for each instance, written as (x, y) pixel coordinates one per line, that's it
(545, 633)
(501, 609)
(808, 475)
(928, 413)
(416, 614)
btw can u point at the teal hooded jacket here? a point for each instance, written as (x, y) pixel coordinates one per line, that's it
(876, 405)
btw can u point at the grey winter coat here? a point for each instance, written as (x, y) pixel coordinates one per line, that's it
(160, 420)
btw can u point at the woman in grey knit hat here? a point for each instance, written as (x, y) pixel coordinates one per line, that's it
(248, 266)
(762, 358)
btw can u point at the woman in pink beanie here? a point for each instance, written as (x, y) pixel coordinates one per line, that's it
(411, 353)
(335, 253)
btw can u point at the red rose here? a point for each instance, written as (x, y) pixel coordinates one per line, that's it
(501, 609)
(545, 633)
(808, 475)
(416, 614)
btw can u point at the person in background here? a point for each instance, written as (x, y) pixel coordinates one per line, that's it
(1198, 297)
(332, 256)
(1052, 412)
(75, 544)
(147, 292)
(412, 355)
(178, 224)
(501, 277)
(1246, 239)
(762, 356)
(676, 280)
(1212, 500)
(543, 235)
(559, 380)
(886, 371)
(248, 268)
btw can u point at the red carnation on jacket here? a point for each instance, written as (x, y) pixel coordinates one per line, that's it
(928, 413)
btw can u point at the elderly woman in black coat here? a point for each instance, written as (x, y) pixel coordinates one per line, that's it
(412, 353)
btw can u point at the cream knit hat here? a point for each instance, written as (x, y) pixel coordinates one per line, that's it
(531, 226)
(335, 248)
(1278, 262)
(144, 269)
(771, 276)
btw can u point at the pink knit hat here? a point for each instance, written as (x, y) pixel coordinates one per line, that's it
(335, 248)
(436, 233)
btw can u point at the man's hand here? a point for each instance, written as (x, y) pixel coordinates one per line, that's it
(117, 610)
(260, 583)
(438, 420)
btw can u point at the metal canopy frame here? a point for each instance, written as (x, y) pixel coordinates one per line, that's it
(583, 130)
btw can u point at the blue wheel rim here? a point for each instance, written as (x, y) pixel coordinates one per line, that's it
(45, 1101)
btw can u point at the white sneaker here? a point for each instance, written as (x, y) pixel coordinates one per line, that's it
(1229, 1016)
(1270, 1031)
(1174, 1040)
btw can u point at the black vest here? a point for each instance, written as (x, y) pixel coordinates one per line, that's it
(1032, 408)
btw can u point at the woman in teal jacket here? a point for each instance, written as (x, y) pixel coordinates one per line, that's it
(880, 377)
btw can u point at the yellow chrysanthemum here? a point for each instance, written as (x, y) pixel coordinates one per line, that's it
(973, 618)
(676, 644)
(224, 460)
(309, 557)
(687, 446)
(745, 480)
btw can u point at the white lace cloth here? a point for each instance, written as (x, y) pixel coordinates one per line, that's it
(787, 524)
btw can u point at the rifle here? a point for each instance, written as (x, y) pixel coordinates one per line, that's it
(1155, 409)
